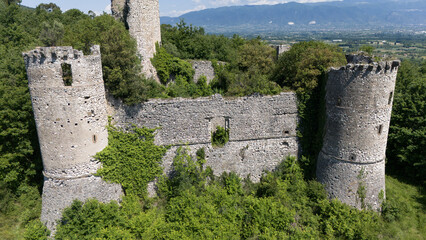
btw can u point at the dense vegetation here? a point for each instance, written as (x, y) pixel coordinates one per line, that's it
(195, 204)
(407, 136)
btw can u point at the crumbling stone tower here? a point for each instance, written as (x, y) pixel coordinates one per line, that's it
(142, 17)
(358, 106)
(68, 98)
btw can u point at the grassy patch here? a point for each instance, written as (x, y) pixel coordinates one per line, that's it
(407, 218)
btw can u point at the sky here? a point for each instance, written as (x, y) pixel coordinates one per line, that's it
(172, 8)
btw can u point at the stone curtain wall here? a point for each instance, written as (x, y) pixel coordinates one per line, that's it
(203, 68)
(143, 20)
(70, 119)
(358, 106)
(262, 129)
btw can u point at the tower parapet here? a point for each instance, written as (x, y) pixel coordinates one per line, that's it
(68, 98)
(143, 20)
(359, 101)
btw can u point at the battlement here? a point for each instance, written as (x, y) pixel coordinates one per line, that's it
(45, 55)
(63, 67)
(366, 64)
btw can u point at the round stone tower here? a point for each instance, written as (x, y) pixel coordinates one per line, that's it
(68, 98)
(359, 100)
(142, 17)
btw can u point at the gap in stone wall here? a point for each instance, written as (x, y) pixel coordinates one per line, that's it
(66, 74)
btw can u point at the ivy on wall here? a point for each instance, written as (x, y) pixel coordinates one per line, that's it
(131, 159)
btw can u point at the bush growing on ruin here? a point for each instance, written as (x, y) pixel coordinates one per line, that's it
(169, 67)
(131, 159)
(190, 42)
(220, 137)
(187, 173)
(248, 72)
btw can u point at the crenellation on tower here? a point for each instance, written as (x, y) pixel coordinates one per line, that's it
(358, 107)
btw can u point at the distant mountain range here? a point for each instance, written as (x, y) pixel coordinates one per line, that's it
(347, 14)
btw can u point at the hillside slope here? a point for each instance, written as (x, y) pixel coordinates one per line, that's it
(329, 15)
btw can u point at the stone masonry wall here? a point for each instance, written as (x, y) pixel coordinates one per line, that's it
(262, 129)
(70, 119)
(203, 68)
(358, 107)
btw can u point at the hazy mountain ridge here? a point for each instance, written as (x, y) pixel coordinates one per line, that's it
(351, 14)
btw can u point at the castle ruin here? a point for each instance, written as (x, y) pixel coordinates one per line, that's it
(71, 110)
(359, 99)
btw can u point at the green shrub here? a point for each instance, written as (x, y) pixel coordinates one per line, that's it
(220, 137)
(88, 220)
(187, 173)
(169, 67)
(36, 230)
(367, 48)
(131, 159)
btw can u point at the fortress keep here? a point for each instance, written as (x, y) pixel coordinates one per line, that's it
(358, 106)
(68, 98)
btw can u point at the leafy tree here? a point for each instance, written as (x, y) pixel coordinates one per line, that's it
(51, 34)
(120, 63)
(367, 48)
(9, 2)
(304, 69)
(19, 156)
(256, 56)
(301, 68)
(407, 142)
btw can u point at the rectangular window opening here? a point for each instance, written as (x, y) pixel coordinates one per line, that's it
(94, 139)
(390, 98)
(66, 74)
(226, 123)
(380, 129)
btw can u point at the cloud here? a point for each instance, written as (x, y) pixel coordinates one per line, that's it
(260, 2)
(176, 13)
(107, 10)
(226, 2)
